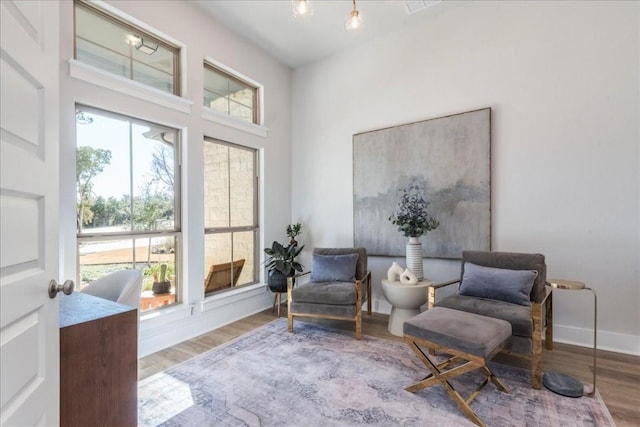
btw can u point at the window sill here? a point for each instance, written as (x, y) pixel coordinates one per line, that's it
(98, 77)
(224, 298)
(233, 123)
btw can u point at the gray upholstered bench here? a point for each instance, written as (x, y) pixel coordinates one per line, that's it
(471, 339)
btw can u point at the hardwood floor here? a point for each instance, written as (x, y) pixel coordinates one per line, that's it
(618, 379)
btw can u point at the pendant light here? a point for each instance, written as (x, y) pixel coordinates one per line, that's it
(301, 8)
(354, 21)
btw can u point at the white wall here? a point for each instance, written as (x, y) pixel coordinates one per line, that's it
(562, 79)
(202, 37)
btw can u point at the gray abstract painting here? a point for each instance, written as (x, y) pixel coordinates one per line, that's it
(450, 158)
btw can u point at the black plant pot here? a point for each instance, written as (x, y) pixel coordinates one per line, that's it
(161, 287)
(277, 281)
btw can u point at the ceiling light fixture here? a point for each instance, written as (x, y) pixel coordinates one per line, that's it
(416, 6)
(160, 135)
(147, 47)
(132, 39)
(354, 21)
(141, 44)
(83, 119)
(302, 8)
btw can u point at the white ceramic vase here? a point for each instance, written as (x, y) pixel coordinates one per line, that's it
(414, 257)
(394, 272)
(408, 278)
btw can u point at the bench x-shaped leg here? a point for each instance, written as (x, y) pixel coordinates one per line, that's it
(440, 376)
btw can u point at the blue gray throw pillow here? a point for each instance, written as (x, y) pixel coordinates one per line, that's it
(512, 286)
(333, 268)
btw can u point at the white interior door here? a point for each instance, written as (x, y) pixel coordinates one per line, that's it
(29, 111)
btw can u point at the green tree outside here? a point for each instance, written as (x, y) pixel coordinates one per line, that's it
(89, 163)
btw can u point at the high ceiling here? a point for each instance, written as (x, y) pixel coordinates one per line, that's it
(298, 41)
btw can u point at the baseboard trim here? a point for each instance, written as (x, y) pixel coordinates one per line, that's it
(582, 337)
(157, 335)
(610, 341)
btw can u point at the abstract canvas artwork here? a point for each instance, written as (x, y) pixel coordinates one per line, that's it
(450, 158)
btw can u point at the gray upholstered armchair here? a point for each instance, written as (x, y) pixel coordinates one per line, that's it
(508, 286)
(338, 286)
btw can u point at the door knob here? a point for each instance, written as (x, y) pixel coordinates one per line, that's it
(55, 287)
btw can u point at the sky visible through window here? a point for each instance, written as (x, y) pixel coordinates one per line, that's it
(135, 190)
(113, 134)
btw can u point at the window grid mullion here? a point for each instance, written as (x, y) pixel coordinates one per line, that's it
(125, 233)
(126, 26)
(131, 176)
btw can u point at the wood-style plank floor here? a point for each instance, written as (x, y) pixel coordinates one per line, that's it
(618, 378)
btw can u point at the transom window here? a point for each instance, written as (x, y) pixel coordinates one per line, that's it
(229, 94)
(128, 203)
(109, 43)
(230, 215)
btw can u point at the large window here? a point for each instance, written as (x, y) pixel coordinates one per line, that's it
(230, 215)
(128, 203)
(120, 48)
(230, 95)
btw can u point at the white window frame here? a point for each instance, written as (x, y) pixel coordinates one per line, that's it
(217, 117)
(255, 228)
(175, 232)
(107, 80)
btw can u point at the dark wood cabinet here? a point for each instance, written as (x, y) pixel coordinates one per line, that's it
(98, 362)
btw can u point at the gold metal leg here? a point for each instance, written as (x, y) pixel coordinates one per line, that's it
(440, 376)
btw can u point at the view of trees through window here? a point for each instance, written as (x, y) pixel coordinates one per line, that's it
(127, 200)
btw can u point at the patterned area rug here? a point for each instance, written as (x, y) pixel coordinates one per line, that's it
(322, 377)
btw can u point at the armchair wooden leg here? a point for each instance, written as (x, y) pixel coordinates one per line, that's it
(548, 333)
(536, 356)
(536, 371)
(536, 350)
(359, 321)
(289, 313)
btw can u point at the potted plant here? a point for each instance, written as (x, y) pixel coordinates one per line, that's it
(281, 264)
(161, 285)
(292, 231)
(413, 221)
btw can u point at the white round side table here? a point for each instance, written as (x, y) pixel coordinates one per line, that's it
(405, 300)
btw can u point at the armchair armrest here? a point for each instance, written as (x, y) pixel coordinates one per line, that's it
(443, 284)
(302, 274)
(431, 301)
(295, 276)
(547, 293)
(290, 288)
(367, 278)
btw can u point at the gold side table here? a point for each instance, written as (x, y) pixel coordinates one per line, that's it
(564, 384)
